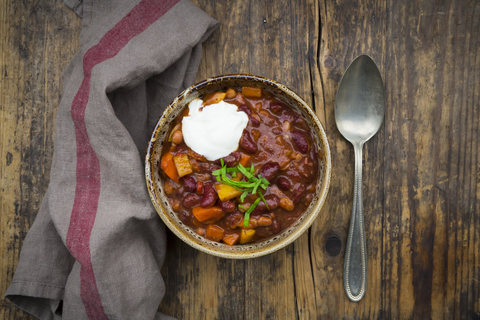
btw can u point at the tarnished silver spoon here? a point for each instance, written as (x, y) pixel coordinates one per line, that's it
(359, 112)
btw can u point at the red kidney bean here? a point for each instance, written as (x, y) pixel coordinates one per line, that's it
(208, 167)
(269, 170)
(232, 159)
(189, 183)
(209, 195)
(229, 160)
(300, 140)
(227, 206)
(253, 120)
(191, 200)
(213, 167)
(276, 107)
(245, 109)
(258, 210)
(293, 175)
(283, 183)
(273, 202)
(298, 192)
(233, 220)
(247, 143)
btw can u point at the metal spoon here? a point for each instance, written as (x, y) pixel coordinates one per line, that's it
(359, 112)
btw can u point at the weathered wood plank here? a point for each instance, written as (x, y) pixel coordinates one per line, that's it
(37, 39)
(428, 164)
(347, 30)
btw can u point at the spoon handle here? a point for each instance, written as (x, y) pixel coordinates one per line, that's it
(355, 268)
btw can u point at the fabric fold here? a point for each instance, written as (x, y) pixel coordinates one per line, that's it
(97, 245)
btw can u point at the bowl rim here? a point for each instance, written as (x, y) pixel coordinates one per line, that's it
(322, 192)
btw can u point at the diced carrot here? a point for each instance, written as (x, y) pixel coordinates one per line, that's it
(182, 164)
(203, 214)
(212, 220)
(213, 98)
(214, 233)
(168, 166)
(244, 159)
(231, 238)
(251, 92)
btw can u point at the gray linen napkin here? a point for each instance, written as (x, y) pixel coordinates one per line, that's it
(97, 245)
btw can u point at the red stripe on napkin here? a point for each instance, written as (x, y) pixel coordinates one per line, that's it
(87, 190)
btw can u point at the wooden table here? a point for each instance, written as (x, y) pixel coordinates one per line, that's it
(421, 177)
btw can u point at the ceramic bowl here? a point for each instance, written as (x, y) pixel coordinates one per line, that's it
(155, 183)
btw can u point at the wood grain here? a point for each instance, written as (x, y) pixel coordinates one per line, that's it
(37, 40)
(421, 174)
(420, 171)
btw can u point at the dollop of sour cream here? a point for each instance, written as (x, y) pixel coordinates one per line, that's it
(214, 130)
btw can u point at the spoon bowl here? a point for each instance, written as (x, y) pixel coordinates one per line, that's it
(359, 112)
(359, 104)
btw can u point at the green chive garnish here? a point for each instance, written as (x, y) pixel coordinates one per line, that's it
(251, 186)
(247, 213)
(261, 196)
